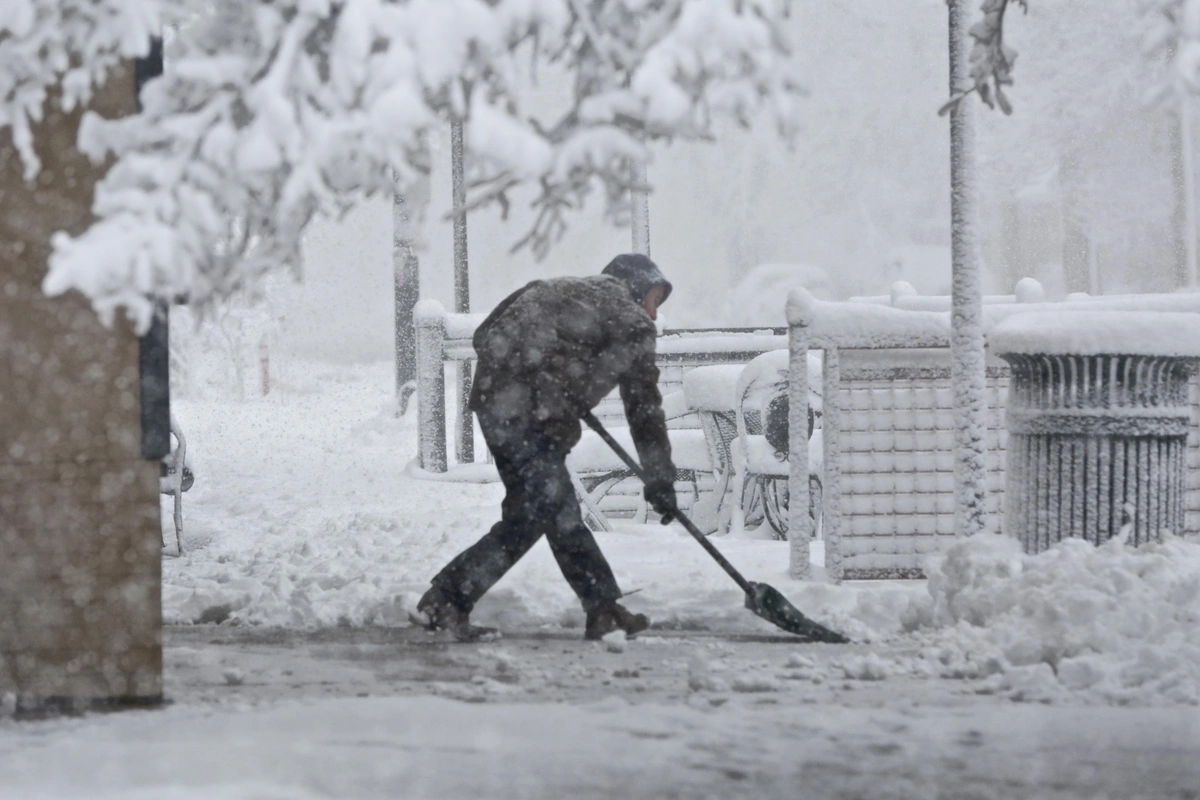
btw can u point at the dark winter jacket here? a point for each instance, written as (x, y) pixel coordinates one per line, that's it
(557, 347)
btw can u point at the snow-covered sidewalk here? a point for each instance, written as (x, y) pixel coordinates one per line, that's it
(1072, 675)
(278, 714)
(303, 514)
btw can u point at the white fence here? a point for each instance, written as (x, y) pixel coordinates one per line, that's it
(445, 338)
(888, 427)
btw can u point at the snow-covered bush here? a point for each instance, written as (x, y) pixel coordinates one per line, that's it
(274, 110)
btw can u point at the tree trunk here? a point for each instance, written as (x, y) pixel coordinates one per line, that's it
(966, 338)
(154, 350)
(79, 505)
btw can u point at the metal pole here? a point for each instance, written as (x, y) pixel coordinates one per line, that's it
(799, 524)
(1189, 184)
(640, 218)
(407, 288)
(968, 375)
(462, 288)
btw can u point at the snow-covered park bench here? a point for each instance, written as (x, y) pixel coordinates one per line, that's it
(444, 348)
(177, 477)
(888, 425)
(751, 478)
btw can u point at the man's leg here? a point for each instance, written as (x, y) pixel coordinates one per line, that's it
(475, 570)
(573, 545)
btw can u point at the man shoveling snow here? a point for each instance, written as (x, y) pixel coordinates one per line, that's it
(547, 354)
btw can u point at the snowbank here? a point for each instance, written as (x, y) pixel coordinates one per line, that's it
(1110, 624)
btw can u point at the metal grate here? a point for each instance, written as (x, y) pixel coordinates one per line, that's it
(1191, 497)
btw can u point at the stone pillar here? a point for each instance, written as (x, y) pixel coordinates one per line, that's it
(80, 609)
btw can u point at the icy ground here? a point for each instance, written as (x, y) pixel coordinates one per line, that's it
(1075, 675)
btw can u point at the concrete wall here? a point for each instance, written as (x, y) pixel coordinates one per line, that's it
(80, 611)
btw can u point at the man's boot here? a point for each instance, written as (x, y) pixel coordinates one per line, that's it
(613, 616)
(437, 612)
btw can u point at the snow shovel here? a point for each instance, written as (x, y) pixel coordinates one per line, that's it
(763, 600)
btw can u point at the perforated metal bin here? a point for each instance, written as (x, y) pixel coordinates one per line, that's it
(1097, 441)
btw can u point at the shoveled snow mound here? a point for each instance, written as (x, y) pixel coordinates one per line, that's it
(1111, 624)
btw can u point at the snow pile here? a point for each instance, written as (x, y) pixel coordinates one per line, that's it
(1110, 624)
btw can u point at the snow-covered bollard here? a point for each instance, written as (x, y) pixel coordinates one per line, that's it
(1098, 417)
(430, 322)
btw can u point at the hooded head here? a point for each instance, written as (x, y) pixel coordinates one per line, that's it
(639, 273)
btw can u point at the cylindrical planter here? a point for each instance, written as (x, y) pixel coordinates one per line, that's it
(1098, 418)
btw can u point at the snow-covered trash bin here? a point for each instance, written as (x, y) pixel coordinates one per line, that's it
(1098, 417)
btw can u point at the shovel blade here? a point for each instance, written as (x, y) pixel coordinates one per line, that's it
(768, 603)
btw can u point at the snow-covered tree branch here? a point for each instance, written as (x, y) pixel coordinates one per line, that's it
(1175, 35)
(69, 45)
(991, 60)
(275, 110)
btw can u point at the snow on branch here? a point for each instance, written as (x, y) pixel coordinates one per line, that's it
(276, 110)
(69, 45)
(991, 60)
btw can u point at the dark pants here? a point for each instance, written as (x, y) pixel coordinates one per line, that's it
(539, 500)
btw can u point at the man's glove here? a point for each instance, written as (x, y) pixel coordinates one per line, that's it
(660, 494)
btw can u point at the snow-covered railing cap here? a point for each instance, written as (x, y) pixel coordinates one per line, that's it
(717, 341)
(865, 324)
(1093, 333)
(462, 326)
(942, 302)
(902, 289)
(1134, 302)
(1029, 290)
(457, 326)
(426, 310)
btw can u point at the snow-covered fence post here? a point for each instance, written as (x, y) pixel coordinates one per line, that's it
(465, 424)
(799, 522)
(1098, 420)
(966, 339)
(831, 490)
(430, 319)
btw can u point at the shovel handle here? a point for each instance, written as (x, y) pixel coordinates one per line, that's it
(595, 425)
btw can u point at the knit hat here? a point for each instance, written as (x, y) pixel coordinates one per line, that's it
(639, 273)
